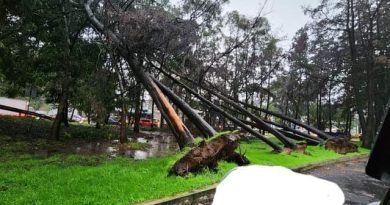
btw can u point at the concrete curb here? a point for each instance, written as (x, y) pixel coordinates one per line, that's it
(309, 167)
(205, 195)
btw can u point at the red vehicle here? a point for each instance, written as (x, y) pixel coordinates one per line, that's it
(145, 123)
(148, 123)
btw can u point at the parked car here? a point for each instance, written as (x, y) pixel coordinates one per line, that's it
(148, 123)
(75, 118)
(112, 121)
(145, 122)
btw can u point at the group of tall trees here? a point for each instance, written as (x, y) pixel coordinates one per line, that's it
(99, 56)
(339, 66)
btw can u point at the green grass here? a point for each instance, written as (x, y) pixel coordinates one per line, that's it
(75, 179)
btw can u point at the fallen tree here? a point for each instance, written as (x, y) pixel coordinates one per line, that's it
(26, 112)
(289, 129)
(288, 143)
(181, 132)
(208, 153)
(316, 131)
(199, 122)
(122, 37)
(286, 133)
(340, 146)
(236, 121)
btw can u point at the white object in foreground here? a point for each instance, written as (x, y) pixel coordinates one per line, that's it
(261, 185)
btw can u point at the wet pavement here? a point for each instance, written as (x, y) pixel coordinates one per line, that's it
(358, 188)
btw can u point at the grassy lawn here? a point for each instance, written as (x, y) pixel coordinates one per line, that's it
(80, 179)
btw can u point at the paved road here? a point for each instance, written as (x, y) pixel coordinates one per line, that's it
(358, 188)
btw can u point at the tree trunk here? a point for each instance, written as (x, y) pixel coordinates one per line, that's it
(194, 117)
(129, 115)
(294, 131)
(71, 116)
(236, 121)
(330, 107)
(65, 115)
(281, 116)
(152, 125)
(137, 112)
(294, 121)
(122, 134)
(276, 133)
(161, 121)
(290, 135)
(181, 132)
(355, 69)
(56, 126)
(12, 109)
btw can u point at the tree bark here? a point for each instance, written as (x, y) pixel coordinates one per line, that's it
(281, 116)
(330, 107)
(236, 121)
(152, 125)
(290, 135)
(56, 126)
(137, 112)
(118, 70)
(194, 117)
(65, 115)
(181, 132)
(276, 133)
(294, 131)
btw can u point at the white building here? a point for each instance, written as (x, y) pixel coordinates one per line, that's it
(15, 103)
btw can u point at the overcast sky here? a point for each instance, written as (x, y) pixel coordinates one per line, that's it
(285, 16)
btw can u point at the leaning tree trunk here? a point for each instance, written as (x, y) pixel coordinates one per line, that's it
(281, 116)
(181, 132)
(288, 143)
(294, 131)
(26, 112)
(199, 122)
(236, 121)
(286, 133)
(137, 112)
(310, 128)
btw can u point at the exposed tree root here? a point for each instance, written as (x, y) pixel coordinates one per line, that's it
(301, 148)
(207, 155)
(341, 145)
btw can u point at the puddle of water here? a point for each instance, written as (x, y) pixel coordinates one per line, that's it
(159, 144)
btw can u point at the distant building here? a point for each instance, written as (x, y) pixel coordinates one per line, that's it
(15, 103)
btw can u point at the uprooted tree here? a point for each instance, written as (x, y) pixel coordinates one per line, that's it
(139, 31)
